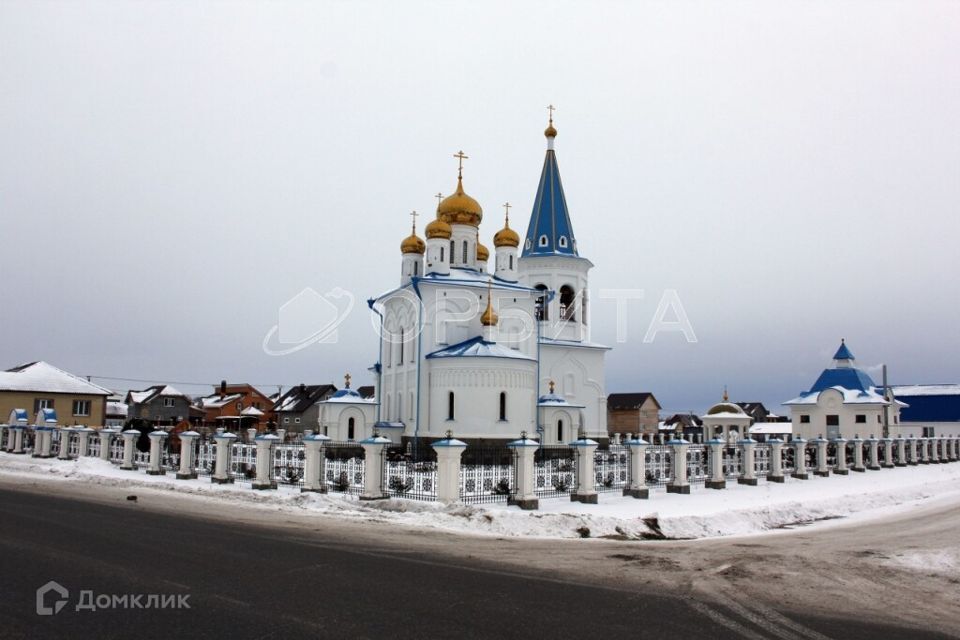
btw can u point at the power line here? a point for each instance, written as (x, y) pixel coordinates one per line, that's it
(179, 382)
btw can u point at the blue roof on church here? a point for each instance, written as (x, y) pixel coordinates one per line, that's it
(550, 220)
(478, 348)
(843, 353)
(847, 378)
(925, 408)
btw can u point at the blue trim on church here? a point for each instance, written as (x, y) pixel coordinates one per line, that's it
(550, 219)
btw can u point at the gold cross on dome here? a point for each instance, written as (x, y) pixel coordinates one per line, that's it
(460, 155)
(414, 214)
(551, 109)
(506, 207)
(346, 380)
(439, 198)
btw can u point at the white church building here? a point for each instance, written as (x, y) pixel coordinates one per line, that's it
(487, 351)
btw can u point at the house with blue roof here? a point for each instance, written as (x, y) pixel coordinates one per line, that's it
(933, 409)
(844, 401)
(489, 352)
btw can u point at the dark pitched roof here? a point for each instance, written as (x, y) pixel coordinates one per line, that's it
(301, 397)
(366, 391)
(686, 419)
(619, 401)
(750, 407)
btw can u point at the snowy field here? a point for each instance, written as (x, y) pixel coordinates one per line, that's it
(737, 510)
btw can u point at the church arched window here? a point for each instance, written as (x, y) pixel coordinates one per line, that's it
(542, 308)
(560, 431)
(453, 254)
(563, 242)
(450, 406)
(568, 303)
(350, 429)
(416, 268)
(466, 252)
(400, 359)
(544, 241)
(511, 262)
(441, 254)
(503, 406)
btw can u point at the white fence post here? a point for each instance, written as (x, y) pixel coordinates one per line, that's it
(748, 472)
(800, 459)
(106, 435)
(64, 453)
(526, 495)
(129, 440)
(678, 483)
(716, 480)
(822, 469)
(638, 470)
(449, 451)
(188, 453)
(858, 465)
(586, 492)
(44, 440)
(901, 444)
(18, 440)
(888, 452)
(924, 451)
(873, 448)
(373, 467)
(313, 463)
(155, 467)
(265, 448)
(776, 460)
(224, 458)
(840, 446)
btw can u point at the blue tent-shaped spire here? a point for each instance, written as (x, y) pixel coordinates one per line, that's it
(843, 353)
(550, 231)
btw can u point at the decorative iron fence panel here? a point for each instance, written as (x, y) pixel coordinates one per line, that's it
(761, 460)
(344, 467)
(698, 463)
(243, 467)
(487, 474)
(116, 450)
(74, 445)
(896, 453)
(289, 464)
(612, 468)
(206, 456)
(788, 459)
(93, 446)
(659, 465)
(732, 462)
(850, 451)
(407, 477)
(831, 455)
(554, 471)
(141, 458)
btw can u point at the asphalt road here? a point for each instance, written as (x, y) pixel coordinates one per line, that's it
(247, 581)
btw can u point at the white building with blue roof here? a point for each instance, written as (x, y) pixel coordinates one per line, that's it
(490, 354)
(844, 401)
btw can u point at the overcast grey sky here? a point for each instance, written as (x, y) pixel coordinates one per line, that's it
(171, 173)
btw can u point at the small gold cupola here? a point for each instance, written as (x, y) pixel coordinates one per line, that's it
(550, 131)
(489, 317)
(506, 237)
(413, 243)
(459, 208)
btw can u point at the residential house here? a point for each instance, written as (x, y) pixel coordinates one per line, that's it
(159, 405)
(934, 410)
(297, 409)
(367, 391)
(38, 385)
(687, 424)
(633, 413)
(236, 406)
(116, 411)
(755, 410)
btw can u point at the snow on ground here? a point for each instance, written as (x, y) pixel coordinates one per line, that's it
(737, 510)
(942, 561)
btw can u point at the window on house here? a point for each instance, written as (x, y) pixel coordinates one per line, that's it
(804, 419)
(240, 406)
(42, 403)
(81, 407)
(256, 405)
(833, 420)
(559, 430)
(450, 406)
(168, 402)
(860, 419)
(503, 406)
(286, 421)
(296, 421)
(350, 429)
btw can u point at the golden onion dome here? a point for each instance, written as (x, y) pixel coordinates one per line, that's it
(413, 244)
(483, 254)
(459, 208)
(506, 237)
(489, 318)
(550, 131)
(439, 229)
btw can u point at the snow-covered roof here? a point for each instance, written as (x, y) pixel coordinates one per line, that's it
(43, 377)
(906, 390)
(251, 411)
(554, 400)
(216, 402)
(870, 395)
(771, 427)
(347, 395)
(117, 409)
(478, 348)
(573, 343)
(156, 391)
